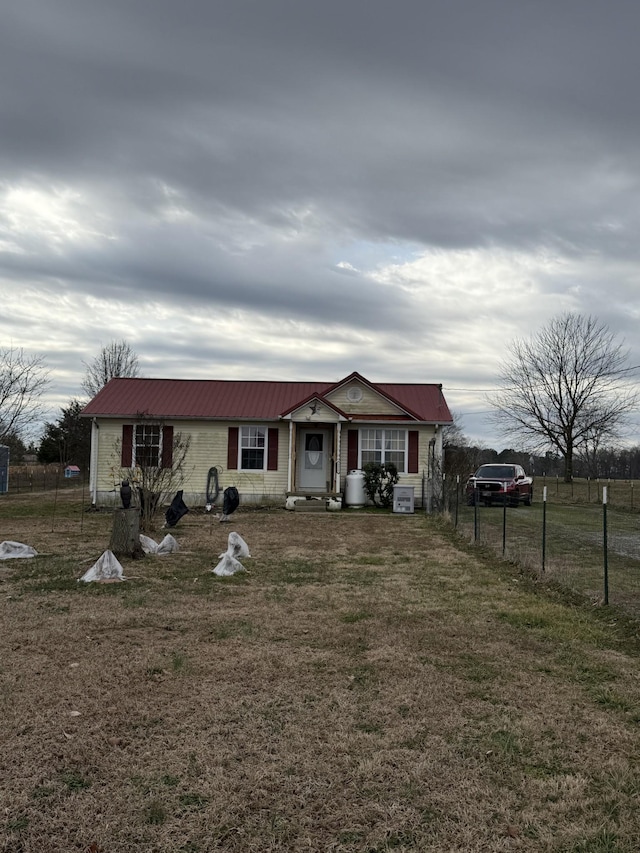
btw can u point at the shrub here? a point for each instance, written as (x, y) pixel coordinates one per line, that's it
(379, 481)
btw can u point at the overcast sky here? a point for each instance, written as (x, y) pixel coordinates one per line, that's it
(296, 189)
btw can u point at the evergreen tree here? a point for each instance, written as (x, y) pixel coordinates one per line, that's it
(68, 441)
(16, 447)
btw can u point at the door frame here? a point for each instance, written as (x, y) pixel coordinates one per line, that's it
(328, 430)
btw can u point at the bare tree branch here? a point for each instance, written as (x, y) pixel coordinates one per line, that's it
(23, 379)
(115, 360)
(564, 388)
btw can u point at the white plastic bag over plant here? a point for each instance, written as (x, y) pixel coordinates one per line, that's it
(237, 546)
(229, 563)
(167, 546)
(107, 568)
(10, 550)
(149, 546)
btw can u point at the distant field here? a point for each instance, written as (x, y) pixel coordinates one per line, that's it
(373, 684)
(620, 493)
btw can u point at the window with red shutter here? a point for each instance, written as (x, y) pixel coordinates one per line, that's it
(126, 454)
(167, 446)
(272, 449)
(352, 449)
(412, 460)
(232, 449)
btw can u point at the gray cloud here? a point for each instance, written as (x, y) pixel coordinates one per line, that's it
(375, 181)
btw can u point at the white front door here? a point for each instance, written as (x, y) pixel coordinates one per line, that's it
(314, 460)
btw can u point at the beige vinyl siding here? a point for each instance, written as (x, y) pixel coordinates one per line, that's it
(208, 448)
(260, 486)
(371, 402)
(109, 473)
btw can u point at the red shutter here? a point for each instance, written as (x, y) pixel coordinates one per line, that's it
(272, 449)
(352, 449)
(167, 446)
(412, 459)
(232, 449)
(126, 454)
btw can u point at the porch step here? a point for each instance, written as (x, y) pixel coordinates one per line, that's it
(323, 496)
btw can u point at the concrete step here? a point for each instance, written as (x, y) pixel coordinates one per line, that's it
(310, 506)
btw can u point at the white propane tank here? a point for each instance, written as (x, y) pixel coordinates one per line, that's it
(354, 493)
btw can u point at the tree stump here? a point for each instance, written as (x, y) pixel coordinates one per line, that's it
(125, 535)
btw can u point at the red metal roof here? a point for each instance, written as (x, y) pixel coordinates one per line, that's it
(243, 400)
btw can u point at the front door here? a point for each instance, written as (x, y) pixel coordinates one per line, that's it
(314, 460)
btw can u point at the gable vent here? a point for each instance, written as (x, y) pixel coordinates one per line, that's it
(354, 394)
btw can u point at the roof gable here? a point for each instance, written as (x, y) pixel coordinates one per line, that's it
(314, 405)
(359, 397)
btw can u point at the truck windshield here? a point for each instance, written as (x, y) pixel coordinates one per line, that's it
(496, 472)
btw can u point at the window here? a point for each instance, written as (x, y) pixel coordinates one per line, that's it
(383, 447)
(252, 448)
(147, 445)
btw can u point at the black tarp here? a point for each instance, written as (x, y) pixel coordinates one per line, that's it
(231, 500)
(213, 487)
(177, 509)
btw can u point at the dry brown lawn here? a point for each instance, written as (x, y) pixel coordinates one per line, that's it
(371, 684)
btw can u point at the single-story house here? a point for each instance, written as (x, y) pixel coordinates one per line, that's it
(272, 440)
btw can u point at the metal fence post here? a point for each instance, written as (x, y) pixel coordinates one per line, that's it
(55, 504)
(604, 545)
(475, 514)
(504, 523)
(457, 496)
(544, 526)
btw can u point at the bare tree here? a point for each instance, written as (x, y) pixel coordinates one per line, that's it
(565, 388)
(452, 434)
(115, 360)
(460, 457)
(23, 379)
(158, 466)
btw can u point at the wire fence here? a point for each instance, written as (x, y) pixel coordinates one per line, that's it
(35, 478)
(580, 538)
(623, 494)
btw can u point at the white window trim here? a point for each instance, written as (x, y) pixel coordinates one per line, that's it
(384, 430)
(265, 449)
(134, 449)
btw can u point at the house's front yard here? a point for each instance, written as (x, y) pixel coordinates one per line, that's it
(370, 685)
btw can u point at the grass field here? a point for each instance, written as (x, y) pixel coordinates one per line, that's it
(373, 684)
